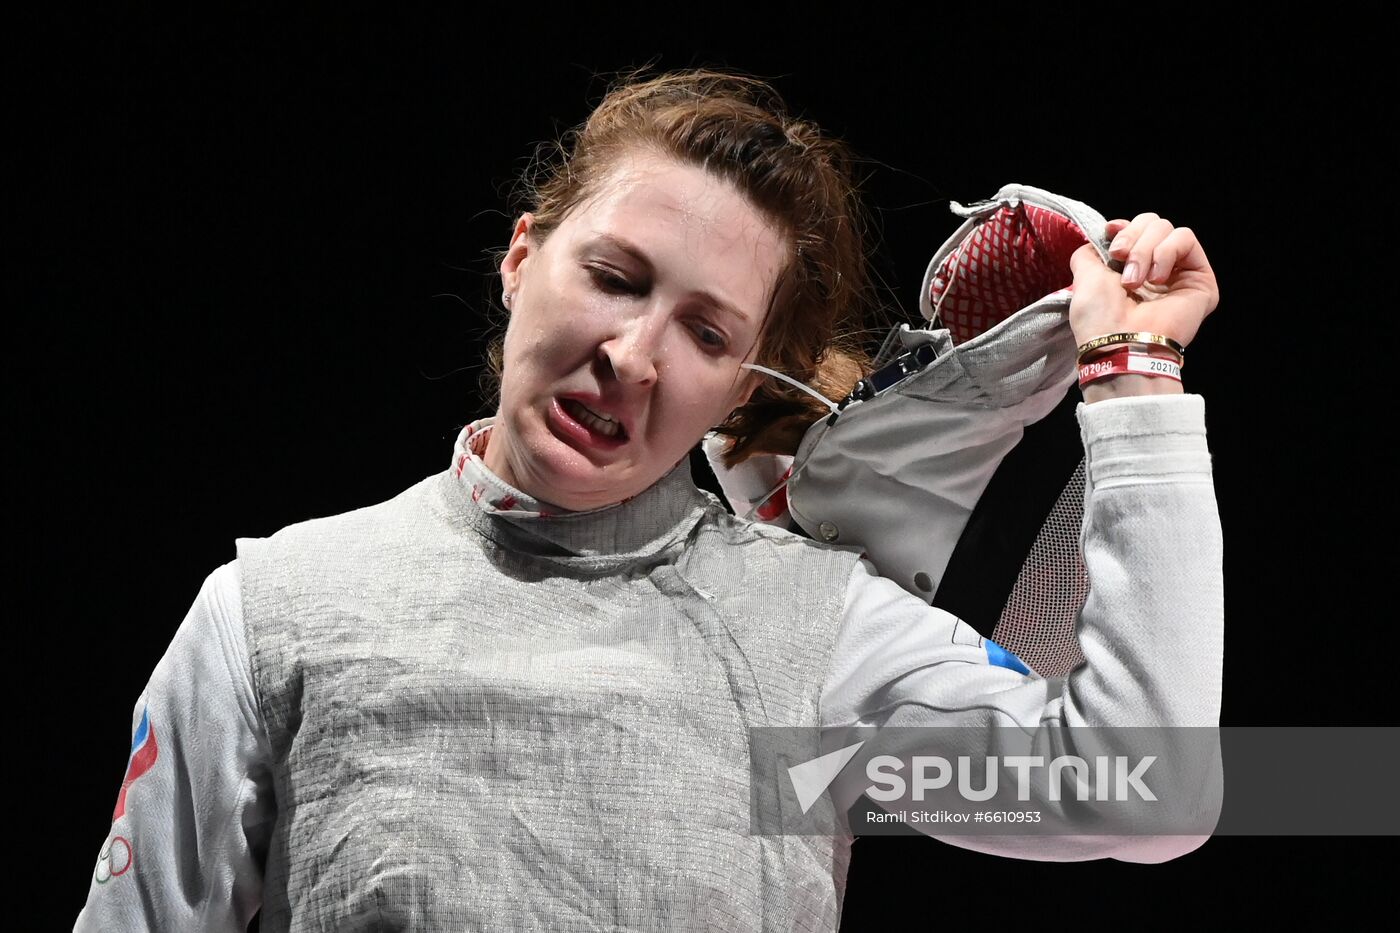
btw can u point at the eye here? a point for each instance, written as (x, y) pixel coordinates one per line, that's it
(709, 337)
(610, 281)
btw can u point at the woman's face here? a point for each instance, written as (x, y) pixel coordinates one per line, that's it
(640, 306)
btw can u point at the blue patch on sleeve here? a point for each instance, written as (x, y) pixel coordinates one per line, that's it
(999, 656)
(141, 730)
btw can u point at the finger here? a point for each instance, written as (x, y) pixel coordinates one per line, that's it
(1139, 261)
(1091, 276)
(1123, 242)
(1179, 251)
(1112, 231)
(1181, 254)
(1086, 261)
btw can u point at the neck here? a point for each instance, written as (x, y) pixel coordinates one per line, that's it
(496, 453)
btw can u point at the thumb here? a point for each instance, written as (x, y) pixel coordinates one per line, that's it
(1086, 264)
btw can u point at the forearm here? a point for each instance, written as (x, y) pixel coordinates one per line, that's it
(1152, 630)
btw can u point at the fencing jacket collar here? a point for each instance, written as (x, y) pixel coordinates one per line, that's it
(658, 519)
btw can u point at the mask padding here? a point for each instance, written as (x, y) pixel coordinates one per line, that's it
(1011, 260)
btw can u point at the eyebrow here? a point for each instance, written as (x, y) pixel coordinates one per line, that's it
(636, 253)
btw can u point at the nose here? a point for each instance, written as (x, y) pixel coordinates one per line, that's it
(631, 353)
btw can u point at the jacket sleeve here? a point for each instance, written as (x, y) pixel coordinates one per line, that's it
(195, 810)
(1152, 629)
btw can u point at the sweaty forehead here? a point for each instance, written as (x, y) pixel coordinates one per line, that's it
(663, 205)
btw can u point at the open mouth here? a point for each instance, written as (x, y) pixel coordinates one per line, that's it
(597, 428)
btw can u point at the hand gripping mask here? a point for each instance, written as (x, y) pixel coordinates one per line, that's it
(957, 463)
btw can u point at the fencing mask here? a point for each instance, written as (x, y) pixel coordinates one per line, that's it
(956, 464)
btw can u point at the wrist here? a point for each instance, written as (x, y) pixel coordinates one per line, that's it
(1123, 385)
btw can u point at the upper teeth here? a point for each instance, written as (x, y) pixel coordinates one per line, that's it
(600, 423)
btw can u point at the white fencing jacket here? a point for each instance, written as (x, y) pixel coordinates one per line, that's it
(185, 849)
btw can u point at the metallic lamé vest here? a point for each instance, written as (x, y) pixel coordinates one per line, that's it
(484, 723)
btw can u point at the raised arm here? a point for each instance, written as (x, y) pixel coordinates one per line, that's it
(1153, 653)
(1152, 628)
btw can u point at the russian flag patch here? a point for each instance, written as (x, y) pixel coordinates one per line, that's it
(143, 757)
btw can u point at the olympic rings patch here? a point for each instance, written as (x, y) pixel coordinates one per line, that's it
(114, 860)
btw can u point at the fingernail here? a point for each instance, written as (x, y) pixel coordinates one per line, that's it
(1157, 272)
(1119, 242)
(1130, 271)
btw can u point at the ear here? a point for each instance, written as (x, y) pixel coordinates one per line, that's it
(749, 383)
(522, 245)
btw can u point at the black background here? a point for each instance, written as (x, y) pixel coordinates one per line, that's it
(257, 276)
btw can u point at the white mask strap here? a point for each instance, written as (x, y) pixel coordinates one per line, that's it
(753, 510)
(794, 383)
